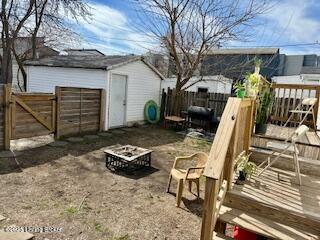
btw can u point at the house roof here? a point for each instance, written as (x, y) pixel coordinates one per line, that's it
(89, 62)
(246, 51)
(84, 50)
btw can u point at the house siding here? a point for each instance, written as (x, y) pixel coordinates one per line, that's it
(214, 85)
(45, 79)
(143, 84)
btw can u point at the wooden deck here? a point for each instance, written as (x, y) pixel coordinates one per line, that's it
(309, 146)
(282, 133)
(275, 206)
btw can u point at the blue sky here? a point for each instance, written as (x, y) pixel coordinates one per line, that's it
(289, 22)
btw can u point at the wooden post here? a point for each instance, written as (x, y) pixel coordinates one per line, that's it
(316, 110)
(58, 106)
(163, 104)
(80, 114)
(209, 207)
(102, 109)
(53, 115)
(250, 118)
(7, 116)
(13, 116)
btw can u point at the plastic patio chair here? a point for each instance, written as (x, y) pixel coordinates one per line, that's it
(305, 108)
(289, 146)
(191, 174)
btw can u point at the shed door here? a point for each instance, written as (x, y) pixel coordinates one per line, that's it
(118, 100)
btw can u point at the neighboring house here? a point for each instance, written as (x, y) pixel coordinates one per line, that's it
(209, 84)
(83, 52)
(128, 80)
(298, 69)
(234, 63)
(23, 46)
(221, 67)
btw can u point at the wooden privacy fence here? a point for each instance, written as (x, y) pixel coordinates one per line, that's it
(79, 110)
(216, 101)
(288, 97)
(70, 111)
(232, 137)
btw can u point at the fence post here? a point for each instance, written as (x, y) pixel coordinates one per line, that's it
(7, 116)
(58, 106)
(163, 104)
(102, 109)
(316, 110)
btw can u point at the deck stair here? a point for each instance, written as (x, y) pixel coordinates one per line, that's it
(274, 206)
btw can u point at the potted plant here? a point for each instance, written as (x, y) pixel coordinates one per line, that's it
(264, 105)
(240, 89)
(252, 84)
(245, 168)
(253, 80)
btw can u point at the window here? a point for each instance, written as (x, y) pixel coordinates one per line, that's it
(202, 90)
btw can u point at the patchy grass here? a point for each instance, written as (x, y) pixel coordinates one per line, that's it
(124, 237)
(121, 207)
(98, 227)
(70, 211)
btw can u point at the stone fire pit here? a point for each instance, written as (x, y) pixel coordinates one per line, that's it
(127, 158)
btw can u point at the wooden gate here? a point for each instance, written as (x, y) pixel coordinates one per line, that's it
(32, 115)
(70, 111)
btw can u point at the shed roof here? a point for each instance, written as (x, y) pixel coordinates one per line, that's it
(89, 62)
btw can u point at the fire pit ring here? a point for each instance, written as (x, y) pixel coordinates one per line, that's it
(127, 158)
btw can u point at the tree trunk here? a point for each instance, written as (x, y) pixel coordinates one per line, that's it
(6, 66)
(177, 99)
(19, 61)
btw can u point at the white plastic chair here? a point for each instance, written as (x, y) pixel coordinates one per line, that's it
(305, 108)
(289, 146)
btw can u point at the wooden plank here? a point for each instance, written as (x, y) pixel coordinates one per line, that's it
(7, 117)
(313, 138)
(209, 206)
(221, 141)
(34, 114)
(102, 109)
(57, 134)
(294, 86)
(263, 226)
(13, 117)
(35, 97)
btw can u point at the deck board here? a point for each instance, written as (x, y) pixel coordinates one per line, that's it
(286, 194)
(263, 226)
(284, 132)
(309, 145)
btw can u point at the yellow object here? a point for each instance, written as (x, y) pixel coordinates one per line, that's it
(191, 174)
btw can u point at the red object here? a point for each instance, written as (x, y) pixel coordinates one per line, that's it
(241, 234)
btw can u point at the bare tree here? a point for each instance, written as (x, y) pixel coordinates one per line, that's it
(31, 18)
(189, 29)
(14, 14)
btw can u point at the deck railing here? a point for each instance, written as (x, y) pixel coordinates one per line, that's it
(232, 137)
(288, 97)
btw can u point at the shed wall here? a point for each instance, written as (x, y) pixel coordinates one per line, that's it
(143, 84)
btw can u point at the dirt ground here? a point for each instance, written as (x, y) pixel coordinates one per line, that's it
(54, 181)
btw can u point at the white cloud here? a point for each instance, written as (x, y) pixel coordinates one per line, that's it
(287, 23)
(110, 31)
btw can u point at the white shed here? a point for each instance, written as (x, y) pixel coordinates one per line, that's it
(129, 82)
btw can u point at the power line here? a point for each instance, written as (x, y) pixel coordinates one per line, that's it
(280, 45)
